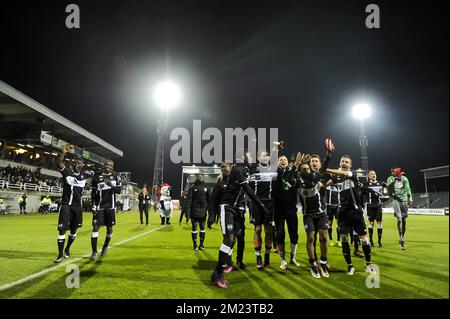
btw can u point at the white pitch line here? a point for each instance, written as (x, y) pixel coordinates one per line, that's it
(53, 268)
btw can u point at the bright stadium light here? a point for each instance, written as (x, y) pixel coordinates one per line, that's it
(361, 111)
(167, 95)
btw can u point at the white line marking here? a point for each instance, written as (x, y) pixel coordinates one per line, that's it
(53, 268)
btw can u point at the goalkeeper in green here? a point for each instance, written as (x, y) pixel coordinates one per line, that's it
(400, 192)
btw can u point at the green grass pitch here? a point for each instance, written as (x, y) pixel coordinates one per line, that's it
(160, 263)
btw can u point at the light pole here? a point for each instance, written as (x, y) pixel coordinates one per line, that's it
(166, 95)
(361, 112)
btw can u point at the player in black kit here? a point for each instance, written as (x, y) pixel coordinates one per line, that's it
(105, 187)
(351, 214)
(232, 210)
(261, 181)
(374, 206)
(70, 213)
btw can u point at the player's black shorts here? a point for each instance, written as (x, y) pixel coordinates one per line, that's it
(104, 217)
(259, 217)
(375, 213)
(69, 217)
(351, 218)
(332, 212)
(232, 219)
(314, 222)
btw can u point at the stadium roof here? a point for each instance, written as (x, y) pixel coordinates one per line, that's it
(435, 172)
(22, 118)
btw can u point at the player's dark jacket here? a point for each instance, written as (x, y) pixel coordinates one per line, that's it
(216, 199)
(144, 200)
(309, 189)
(103, 195)
(371, 198)
(73, 186)
(197, 200)
(285, 189)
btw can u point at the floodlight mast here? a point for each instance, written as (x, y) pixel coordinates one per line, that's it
(166, 95)
(361, 112)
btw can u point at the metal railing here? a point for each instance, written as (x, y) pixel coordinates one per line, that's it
(29, 187)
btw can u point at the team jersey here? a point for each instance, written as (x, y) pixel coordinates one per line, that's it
(104, 195)
(350, 190)
(261, 181)
(374, 200)
(309, 191)
(332, 193)
(399, 189)
(73, 186)
(233, 192)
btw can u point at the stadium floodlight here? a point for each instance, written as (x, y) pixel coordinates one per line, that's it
(361, 111)
(167, 95)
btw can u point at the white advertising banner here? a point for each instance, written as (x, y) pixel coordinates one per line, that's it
(420, 211)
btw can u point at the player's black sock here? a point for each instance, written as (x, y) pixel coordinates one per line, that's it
(222, 261)
(194, 239)
(367, 251)
(202, 237)
(403, 227)
(356, 242)
(267, 255)
(71, 240)
(94, 238)
(312, 261)
(346, 252)
(371, 233)
(107, 240)
(330, 233)
(323, 260)
(380, 233)
(258, 251)
(61, 240)
(163, 220)
(338, 234)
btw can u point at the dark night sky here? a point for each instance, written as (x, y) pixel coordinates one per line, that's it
(297, 66)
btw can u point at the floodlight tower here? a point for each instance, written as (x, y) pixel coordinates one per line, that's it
(166, 95)
(362, 112)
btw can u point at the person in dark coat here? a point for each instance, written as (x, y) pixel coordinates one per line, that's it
(196, 207)
(144, 203)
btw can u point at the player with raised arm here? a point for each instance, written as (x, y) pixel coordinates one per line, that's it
(232, 210)
(285, 194)
(70, 212)
(351, 215)
(105, 187)
(314, 215)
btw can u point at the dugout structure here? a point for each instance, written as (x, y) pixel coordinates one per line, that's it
(189, 172)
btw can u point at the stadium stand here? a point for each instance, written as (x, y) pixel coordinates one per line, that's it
(31, 137)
